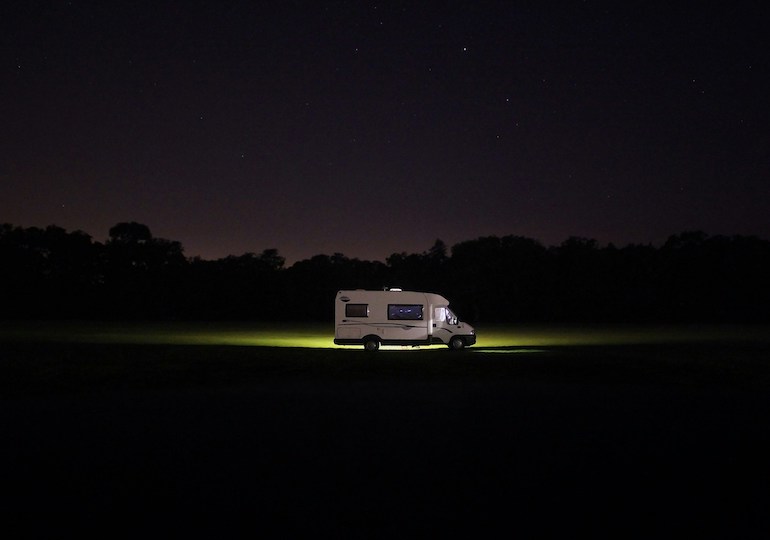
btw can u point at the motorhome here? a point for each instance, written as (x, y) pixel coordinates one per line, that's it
(396, 317)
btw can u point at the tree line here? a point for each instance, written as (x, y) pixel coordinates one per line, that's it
(51, 273)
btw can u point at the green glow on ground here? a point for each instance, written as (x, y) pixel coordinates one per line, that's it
(507, 350)
(491, 339)
(228, 334)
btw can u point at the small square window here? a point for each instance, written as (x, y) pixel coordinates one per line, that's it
(356, 310)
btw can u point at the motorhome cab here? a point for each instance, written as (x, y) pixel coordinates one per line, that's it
(396, 317)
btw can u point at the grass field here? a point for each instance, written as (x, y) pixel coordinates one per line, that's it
(322, 335)
(209, 429)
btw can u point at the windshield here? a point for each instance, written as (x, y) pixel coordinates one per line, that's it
(451, 318)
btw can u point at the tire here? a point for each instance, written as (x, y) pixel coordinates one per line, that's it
(371, 344)
(456, 343)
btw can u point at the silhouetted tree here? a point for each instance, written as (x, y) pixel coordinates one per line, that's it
(497, 279)
(631, 280)
(693, 277)
(47, 272)
(130, 233)
(247, 286)
(141, 273)
(714, 278)
(579, 284)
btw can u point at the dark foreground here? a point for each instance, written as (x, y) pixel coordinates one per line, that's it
(635, 441)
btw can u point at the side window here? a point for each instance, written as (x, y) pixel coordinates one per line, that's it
(405, 312)
(356, 310)
(440, 314)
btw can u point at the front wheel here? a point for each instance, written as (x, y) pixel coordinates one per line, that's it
(456, 343)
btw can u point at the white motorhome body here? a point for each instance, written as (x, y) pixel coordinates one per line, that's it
(396, 317)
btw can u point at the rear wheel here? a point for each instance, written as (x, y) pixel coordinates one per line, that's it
(371, 344)
(456, 343)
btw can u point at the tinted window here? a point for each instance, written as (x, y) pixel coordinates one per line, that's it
(401, 312)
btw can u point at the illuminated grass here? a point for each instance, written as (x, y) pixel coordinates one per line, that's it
(293, 335)
(315, 336)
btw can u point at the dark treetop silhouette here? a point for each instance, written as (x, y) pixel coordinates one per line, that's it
(693, 277)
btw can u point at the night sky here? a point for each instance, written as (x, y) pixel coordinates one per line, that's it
(374, 128)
